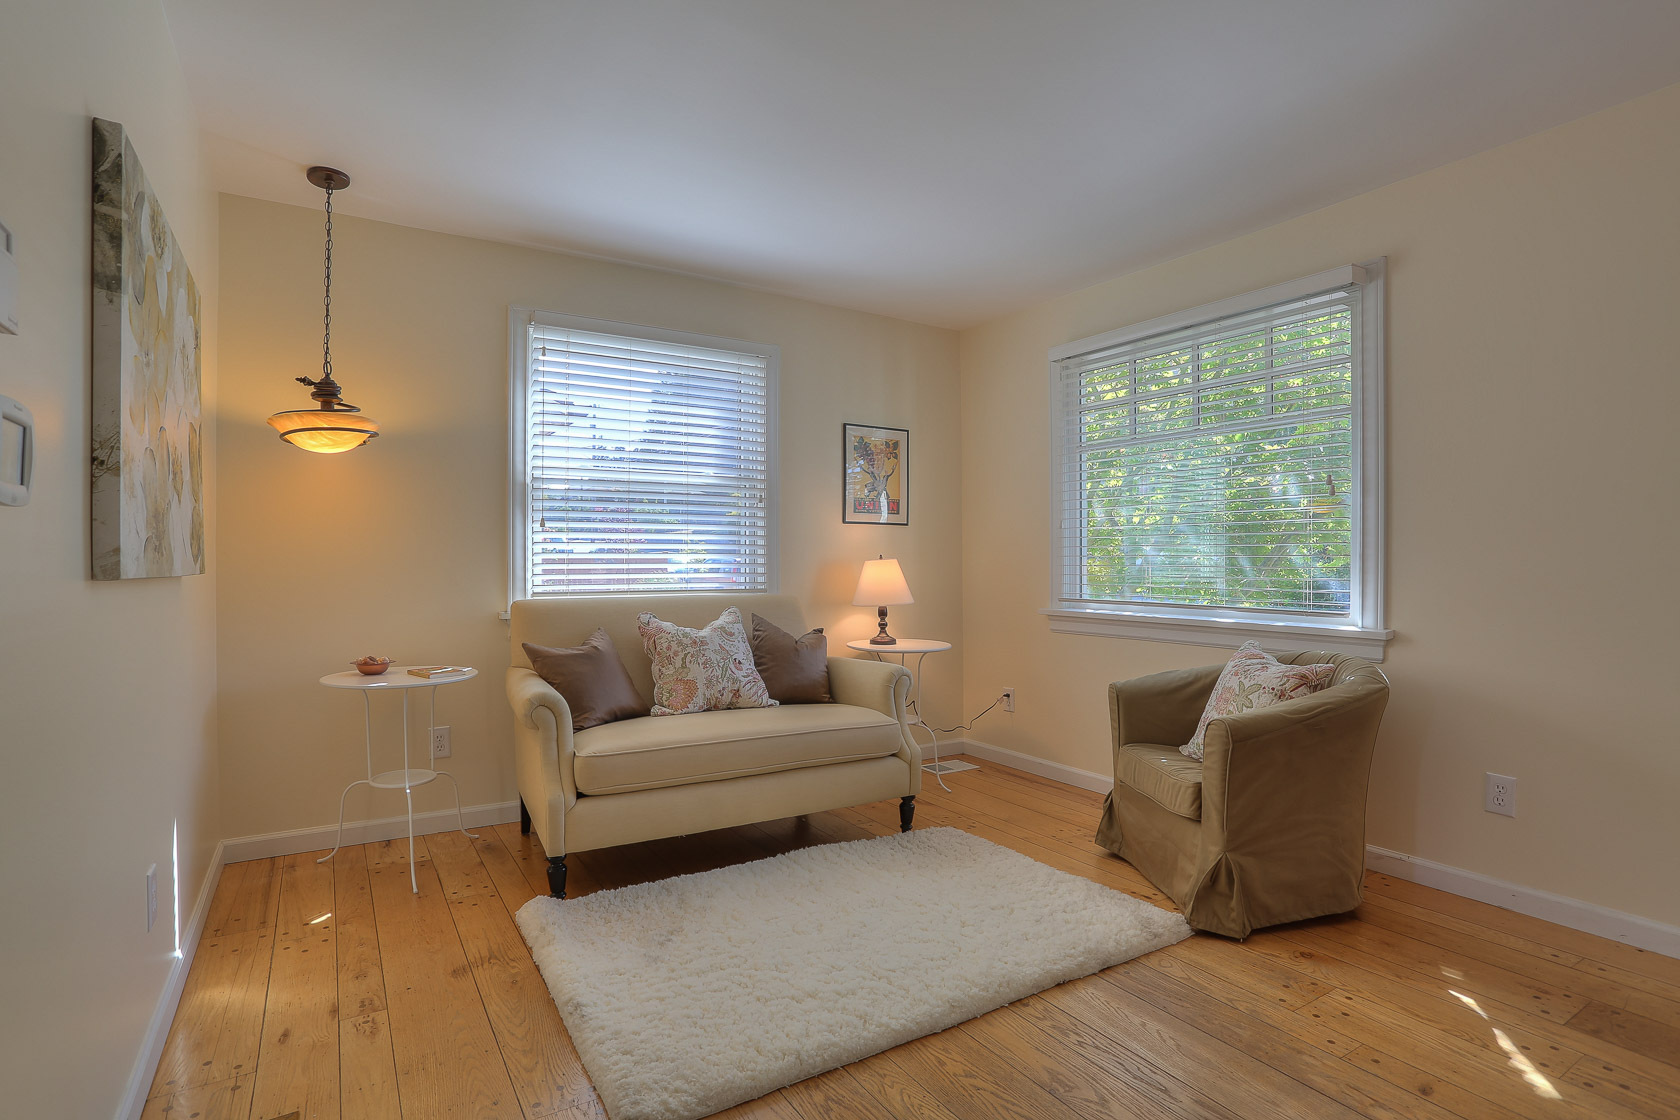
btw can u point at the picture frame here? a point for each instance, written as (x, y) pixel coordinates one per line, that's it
(875, 475)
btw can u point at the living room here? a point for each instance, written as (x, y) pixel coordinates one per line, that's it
(905, 225)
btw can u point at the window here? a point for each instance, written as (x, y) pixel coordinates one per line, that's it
(644, 460)
(1219, 472)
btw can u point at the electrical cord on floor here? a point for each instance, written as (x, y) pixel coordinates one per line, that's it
(963, 726)
(938, 731)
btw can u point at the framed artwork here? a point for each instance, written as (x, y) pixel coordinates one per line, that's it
(875, 487)
(147, 474)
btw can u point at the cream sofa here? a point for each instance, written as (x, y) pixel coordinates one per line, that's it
(655, 776)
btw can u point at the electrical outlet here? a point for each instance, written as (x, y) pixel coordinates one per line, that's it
(1009, 699)
(1499, 794)
(151, 897)
(440, 742)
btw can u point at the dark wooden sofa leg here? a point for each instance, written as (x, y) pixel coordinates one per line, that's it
(524, 819)
(906, 812)
(557, 876)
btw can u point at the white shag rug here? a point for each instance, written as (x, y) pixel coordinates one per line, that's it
(692, 994)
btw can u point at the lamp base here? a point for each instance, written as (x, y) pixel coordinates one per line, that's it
(883, 638)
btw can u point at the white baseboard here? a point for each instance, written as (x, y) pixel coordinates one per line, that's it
(157, 1031)
(297, 840)
(1043, 767)
(1587, 917)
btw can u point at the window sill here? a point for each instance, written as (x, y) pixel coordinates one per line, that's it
(1219, 630)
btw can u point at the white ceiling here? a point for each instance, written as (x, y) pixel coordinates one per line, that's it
(937, 160)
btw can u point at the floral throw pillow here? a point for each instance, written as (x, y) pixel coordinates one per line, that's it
(702, 670)
(1255, 679)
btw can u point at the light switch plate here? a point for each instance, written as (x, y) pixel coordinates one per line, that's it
(8, 281)
(17, 452)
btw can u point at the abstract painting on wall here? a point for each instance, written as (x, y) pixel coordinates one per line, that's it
(148, 477)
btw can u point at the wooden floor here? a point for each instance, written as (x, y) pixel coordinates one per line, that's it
(331, 991)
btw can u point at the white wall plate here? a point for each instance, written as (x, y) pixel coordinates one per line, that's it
(17, 452)
(8, 281)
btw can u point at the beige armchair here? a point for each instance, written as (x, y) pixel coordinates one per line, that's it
(1270, 826)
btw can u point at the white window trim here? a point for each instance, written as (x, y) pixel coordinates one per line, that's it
(1363, 632)
(520, 320)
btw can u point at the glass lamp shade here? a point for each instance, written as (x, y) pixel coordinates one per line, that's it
(324, 431)
(881, 585)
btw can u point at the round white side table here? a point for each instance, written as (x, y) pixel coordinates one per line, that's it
(397, 679)
(919, 648)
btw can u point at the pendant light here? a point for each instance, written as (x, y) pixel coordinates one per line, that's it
(332, 426)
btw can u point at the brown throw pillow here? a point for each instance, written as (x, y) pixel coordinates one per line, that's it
(795, 670)
(591, 677)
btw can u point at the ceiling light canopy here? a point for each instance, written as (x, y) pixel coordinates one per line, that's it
(332, 426)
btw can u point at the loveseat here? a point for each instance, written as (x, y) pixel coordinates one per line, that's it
(656, 776)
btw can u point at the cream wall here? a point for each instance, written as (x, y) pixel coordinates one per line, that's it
(400, 548)
(1532, 395)
(107, 690)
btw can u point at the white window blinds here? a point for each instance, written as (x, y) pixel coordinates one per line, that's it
(1214, 465)
(648, 465)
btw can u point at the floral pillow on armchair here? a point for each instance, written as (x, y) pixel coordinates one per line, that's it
(1255, 679)
(703, 670)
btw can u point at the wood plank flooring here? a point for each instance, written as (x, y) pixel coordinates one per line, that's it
(331, 992)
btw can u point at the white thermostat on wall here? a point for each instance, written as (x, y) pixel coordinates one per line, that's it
(8, 282)
(17, 452)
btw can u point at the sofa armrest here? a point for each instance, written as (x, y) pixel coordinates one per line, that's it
(1160, 708)
(885, 688)
(527, 692)
(870, 684)
(542, 754)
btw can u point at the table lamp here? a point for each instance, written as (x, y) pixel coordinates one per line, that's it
(882, 585)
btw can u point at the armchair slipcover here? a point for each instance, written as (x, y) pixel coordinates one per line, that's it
(1270, 826)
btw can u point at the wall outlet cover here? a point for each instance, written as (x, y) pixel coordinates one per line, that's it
(1499, 794)
(440, 742)
(1009, 699)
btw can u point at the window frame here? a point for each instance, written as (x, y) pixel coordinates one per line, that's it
(520, 320)
(1362, 632)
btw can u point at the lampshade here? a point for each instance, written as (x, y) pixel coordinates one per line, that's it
(881, 585)
(324, 431)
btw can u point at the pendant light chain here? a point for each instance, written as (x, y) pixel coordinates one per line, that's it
(326, 317)
(332, 426)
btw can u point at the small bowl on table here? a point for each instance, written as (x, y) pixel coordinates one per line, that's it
(371, 666)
